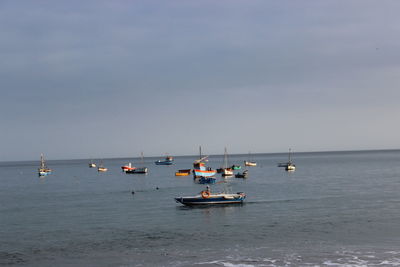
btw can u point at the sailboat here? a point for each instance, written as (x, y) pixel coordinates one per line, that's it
(139, 169)
(250, 163)
(226, 171)
(200, 171)
(43, 170)
(290, 166)
(101, 168)
(92, 164)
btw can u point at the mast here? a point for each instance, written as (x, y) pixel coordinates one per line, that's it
(200, 150)
(289, 155)
(42, 164)
(226, 159)
(141, 155)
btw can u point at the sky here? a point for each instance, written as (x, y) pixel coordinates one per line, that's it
(99, 79)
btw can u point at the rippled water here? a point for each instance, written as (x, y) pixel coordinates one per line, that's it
(336, 209)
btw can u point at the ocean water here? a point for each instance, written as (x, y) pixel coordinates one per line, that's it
(336, 209)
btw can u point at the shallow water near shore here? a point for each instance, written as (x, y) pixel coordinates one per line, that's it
(336, 209)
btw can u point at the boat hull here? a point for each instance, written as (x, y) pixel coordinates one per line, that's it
(203, 173)
(163, 162)
(250, 163)
(137, 170)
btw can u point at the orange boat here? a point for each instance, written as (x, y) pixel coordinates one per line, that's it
(183, 172)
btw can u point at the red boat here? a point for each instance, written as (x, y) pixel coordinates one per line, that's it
(128, 167)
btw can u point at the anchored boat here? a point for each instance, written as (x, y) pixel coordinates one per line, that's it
(183, 172)
(128, 167)
(200, 170)
(167, 161)
(207, 198)
(43, 169)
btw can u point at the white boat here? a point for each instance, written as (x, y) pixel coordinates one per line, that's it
(225, 170)
(101, 168)
(290, 166)
(250, 163)
(92, 164)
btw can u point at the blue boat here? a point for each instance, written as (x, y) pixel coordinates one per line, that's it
(207, 198)
(168, 161)
(206, 180)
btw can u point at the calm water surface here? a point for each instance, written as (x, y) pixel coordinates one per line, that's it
(336, 209)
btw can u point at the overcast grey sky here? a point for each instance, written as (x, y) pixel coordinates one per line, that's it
(90, 79)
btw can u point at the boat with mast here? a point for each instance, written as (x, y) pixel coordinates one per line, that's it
(101, 167)
(205, 175)
(167, 161)
(43, 169)
(289, 166)
(226, 171)
(137, 170)
(250, 163)
(92, 164)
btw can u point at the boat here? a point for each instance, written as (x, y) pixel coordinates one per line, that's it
(128, 167)
(101, 168)
(236, 167)
(43, 170)
(185, 172)
(200, 169)
(225, 170)
(289, 166)
(205, 197)
(244, 174)
(250, 163)
(92, 164)
(167, 161)
(206, 180)
(139, 169)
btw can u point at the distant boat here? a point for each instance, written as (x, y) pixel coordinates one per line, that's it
(236, 167)
(206, 180)
(92, 164)
(101, 168)
(244, 174)
(185, 172)
(207, 198)
(139, 169)
(167, 161)
(250, 163)
(43, 169)
(128, 167)
(200, 170)
(290, 166)
(226, 171)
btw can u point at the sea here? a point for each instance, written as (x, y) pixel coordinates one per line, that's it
(336, 209)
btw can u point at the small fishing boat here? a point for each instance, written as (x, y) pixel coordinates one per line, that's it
(92, 164)
(167, 161)
(289, 166)
(200, 170)
(183, 172)
(101, 168)
(43, 169)
(236, 167)
(242, 175)
(128, 167)
(250, 163)
(139, 169)
(226, 171)
(207, 198)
